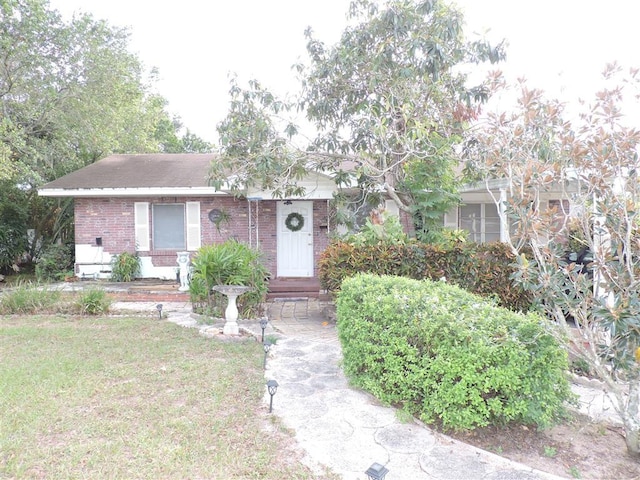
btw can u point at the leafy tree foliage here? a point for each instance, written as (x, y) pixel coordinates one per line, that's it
(13, 231)
(584, 267)
(388, 102)
(70, 93)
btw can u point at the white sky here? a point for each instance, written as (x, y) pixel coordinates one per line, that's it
(561, 46)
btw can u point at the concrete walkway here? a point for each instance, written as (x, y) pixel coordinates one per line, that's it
(338, 427)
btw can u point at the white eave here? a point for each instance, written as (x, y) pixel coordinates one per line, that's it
(132, 192)
(316, 194)
(316, 185)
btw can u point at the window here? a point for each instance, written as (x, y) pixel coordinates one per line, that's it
(168, 226)
(171, 226)
(481, 220)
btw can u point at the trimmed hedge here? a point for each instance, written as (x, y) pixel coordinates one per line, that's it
(448, 356)
(485, 269)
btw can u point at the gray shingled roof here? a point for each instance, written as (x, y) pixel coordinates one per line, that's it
(188, 170)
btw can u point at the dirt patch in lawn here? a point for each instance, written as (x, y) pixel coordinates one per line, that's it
(578, 449)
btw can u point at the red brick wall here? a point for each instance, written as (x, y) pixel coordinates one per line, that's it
(320, 230)
(112, 219)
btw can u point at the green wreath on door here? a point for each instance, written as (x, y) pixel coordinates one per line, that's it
(294, 222)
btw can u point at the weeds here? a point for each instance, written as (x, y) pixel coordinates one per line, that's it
(93, 301)
(29, 298)
(33, 298)
(575, 473)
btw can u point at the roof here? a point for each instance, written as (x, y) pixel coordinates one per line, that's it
(139, 171)
(163, 174)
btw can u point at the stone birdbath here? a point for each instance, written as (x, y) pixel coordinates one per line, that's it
(232, 292)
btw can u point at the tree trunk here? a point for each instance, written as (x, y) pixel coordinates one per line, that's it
(632, 419)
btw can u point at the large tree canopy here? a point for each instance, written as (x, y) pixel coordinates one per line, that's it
(388, 102)
(70, 93)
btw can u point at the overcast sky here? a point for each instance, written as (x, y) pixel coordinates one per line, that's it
(559, 45)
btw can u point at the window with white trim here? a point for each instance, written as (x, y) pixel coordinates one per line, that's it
(168, 220)
(481, 220)
(167, 226)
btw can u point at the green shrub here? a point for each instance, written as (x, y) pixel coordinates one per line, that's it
(228, 263)
(449, 356)
(54, 263)
(125, 267)
(29, 298)
(93, 301)
(485, 269)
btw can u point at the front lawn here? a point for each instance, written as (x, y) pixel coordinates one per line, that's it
(133, 398)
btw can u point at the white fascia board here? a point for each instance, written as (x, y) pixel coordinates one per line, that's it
(131, 192)
(493, 184)
(316, 194)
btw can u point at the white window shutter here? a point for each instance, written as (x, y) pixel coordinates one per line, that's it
(193, 226)
(141, 219)
(451, 218)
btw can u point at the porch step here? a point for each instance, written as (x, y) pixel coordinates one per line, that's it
(294, 288)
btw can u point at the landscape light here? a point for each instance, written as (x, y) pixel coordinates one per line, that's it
(377, 472)
(272, 386)
(263, 326)
(267, 347)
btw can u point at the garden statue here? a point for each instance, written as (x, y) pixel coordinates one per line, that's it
(183, 262)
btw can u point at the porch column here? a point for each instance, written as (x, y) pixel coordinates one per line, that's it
(502, 212)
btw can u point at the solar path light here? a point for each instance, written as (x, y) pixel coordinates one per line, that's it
(263, 326)
(267, 347)
(272, 386)
(377, 472)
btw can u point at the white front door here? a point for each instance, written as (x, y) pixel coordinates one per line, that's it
(295, 239)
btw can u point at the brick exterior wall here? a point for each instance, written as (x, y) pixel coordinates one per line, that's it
(112, 220)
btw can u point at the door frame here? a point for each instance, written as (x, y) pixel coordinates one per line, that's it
(282, 209)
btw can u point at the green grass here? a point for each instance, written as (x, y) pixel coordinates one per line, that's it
(133, 398)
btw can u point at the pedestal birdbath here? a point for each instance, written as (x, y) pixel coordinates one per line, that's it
(232, 292)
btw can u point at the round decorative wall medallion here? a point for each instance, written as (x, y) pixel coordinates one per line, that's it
(294, 221)
(215, 215)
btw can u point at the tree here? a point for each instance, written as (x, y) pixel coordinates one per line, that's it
(585, 267)
(70, 93)
(388, 102)
(13, 217)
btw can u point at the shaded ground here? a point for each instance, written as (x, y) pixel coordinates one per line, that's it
(579, 449)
